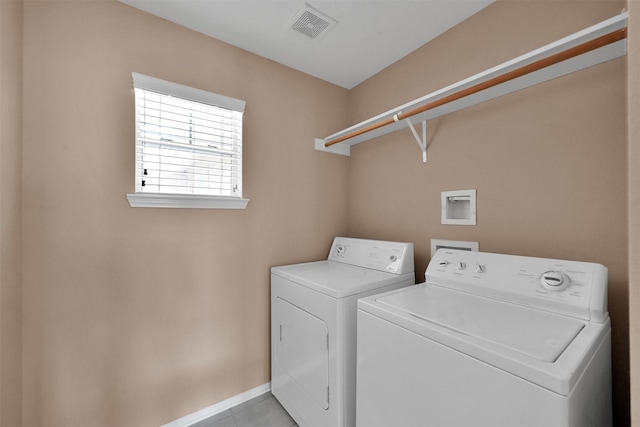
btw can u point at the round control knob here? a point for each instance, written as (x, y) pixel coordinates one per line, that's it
(461, 265)
(443, 263)
(479, 268)
(555, 280)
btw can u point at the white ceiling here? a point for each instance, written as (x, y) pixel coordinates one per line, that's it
(369, 35)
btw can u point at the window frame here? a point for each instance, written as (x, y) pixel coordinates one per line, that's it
(177, 200)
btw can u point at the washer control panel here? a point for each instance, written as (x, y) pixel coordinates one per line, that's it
(392, 257)
(577, 289)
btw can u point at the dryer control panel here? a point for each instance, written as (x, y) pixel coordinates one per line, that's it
(392, 257)
(572, 288)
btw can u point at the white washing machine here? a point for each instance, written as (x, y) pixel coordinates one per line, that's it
(313, 325)
(488, 340)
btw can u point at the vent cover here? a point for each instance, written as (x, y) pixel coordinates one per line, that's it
(311, 22)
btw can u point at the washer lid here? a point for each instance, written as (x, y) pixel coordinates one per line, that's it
(537, 334)
(336, 279)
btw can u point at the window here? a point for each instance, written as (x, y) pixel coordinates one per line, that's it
(188, 147)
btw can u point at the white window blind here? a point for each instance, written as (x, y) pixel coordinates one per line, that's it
(188, 141)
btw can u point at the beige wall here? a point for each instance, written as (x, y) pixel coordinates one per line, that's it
(136, 317)
(634, 204)
(10, 212)
(549, 163)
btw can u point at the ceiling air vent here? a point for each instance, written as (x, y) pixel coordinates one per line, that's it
(311, 22)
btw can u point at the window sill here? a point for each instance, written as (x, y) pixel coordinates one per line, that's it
(156, 200)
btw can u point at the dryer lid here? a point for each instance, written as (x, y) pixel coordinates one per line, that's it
(336, 279)
(534, 333)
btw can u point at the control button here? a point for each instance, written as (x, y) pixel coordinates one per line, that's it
(443, 263)
(555, 280)
(479, 268)
(461, 265)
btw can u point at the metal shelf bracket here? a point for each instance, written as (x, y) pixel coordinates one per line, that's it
(422, 142)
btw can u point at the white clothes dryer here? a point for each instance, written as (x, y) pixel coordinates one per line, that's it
(489, 340)
(313, 325)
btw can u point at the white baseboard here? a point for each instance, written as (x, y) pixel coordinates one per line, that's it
(212, 410)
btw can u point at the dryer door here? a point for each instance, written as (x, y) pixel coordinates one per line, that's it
(302, 350)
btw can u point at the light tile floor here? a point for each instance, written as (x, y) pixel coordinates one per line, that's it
(261, 411)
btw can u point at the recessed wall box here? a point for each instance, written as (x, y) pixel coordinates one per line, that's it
(459, 207)
(453, 244)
